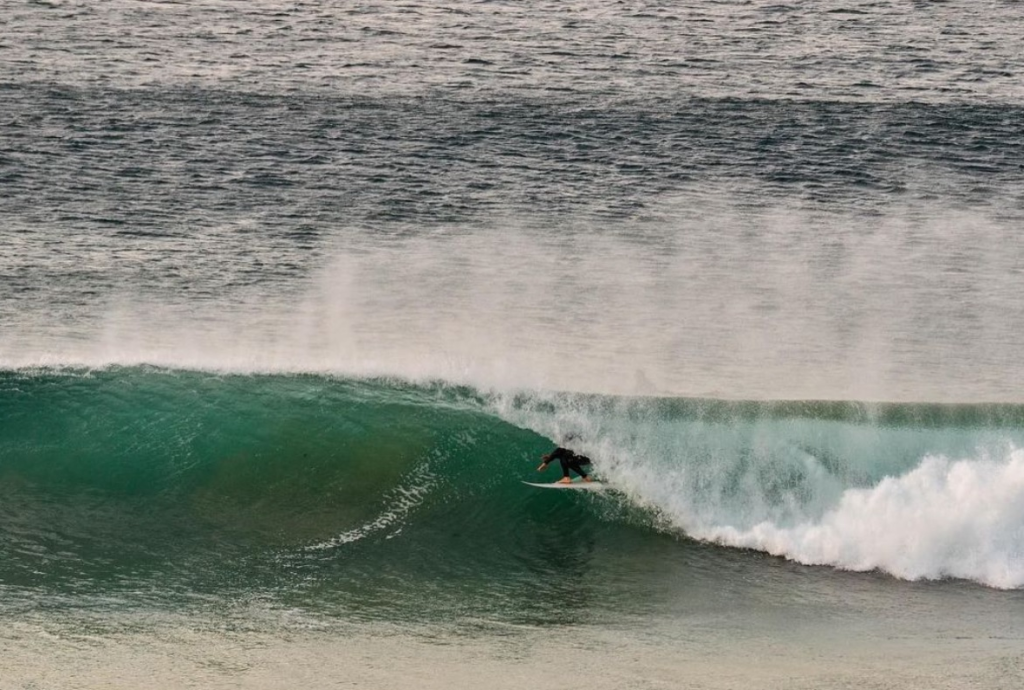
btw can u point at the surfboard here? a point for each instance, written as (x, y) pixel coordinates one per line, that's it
(576, 485)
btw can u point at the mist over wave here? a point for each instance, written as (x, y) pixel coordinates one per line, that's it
(702, 300)
(717, 312)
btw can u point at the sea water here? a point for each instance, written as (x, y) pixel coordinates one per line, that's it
(294, 295)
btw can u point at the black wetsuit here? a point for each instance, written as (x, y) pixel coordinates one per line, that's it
(569, 461)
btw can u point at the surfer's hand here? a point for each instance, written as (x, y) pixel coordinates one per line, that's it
(543, 466)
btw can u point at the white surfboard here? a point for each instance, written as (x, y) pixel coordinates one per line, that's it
(577, 485)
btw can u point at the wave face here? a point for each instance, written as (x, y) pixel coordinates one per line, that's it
(137, 482)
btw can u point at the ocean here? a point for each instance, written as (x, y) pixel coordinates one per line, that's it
(293, 297)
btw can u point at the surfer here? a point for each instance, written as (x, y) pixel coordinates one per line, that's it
(569, 461)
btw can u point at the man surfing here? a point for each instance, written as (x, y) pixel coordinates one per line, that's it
(569, 461)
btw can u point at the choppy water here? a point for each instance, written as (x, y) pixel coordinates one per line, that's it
(292, 296)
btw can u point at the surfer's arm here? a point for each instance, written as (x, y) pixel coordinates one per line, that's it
(553, 455)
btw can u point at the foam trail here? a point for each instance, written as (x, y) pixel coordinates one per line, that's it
(945, 518)
(399, 504)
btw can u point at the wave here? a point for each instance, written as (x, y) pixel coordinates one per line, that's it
(146, 468)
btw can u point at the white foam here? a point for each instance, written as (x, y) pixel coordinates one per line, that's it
(945, 518)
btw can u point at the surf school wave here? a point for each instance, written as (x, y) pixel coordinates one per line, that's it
(124, 475)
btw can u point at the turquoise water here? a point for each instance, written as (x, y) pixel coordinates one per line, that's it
(293, 297)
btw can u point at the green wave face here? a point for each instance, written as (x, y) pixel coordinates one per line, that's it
(158, 486)
(276, 459)
(177, 488)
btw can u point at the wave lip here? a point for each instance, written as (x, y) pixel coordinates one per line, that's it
(945, 518)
